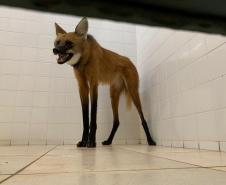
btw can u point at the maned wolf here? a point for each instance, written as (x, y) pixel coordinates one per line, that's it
(92, 65)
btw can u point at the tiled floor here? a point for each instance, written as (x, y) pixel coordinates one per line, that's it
(116, 165)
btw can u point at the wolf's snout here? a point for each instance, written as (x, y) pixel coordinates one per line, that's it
(55, 51)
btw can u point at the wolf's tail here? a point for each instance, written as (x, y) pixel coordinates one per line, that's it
(128, 99)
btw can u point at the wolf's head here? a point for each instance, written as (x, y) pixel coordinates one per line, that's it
(70, 46)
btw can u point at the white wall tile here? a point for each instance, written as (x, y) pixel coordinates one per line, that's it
(191, 144)
(8, 82)
(27, 68)
(223, 146)
(43, 69)
(39, 115)
(20, 134)
(209, 145)
(207, 129)
(22, 115)
(5, 132)
(55, 134)
(57, 99)
(190, 127)
(24, 98)
(9, 67)
(72, 133)
(220, 118)
(38, 134)
(6, 114)
(40, 99)
(57, 85)
(4, 23)
(41, 83)
(7, 98)
(25, 83)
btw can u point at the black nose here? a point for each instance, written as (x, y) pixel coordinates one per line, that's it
(55, 51)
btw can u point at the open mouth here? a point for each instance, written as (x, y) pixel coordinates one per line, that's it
(64, 57)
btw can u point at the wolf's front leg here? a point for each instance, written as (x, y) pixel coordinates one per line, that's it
(93, 124)
(84, 95)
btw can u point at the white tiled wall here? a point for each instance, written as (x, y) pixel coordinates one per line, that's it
(183, 85)
(39, 101)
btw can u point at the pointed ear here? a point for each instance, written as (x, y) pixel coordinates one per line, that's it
(59, 30)
(82, 27)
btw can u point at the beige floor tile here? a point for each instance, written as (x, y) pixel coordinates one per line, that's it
(24, 150)
(156, 149)
(194, 176)
(2, 177)
(71, 159)
(11, 164)
(204, 159)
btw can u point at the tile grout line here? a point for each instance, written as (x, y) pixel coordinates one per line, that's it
(197, 166)
(22, 169)
(109, 171)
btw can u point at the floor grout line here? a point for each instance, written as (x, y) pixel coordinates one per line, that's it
(197, 166)
(109, 171)
(17, 172)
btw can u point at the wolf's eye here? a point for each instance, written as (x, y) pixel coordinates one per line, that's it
(57, 42)
(68, 42)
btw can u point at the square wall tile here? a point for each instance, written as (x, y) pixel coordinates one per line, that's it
(6, 114)
(25, 83)
(220, 119)
(55, 134)
(41, 99)
(191, 144)
(223, 146)
(29, 54)
(72, 132)
(207, 130)
(20, 134)
(8, 82)
(57, 99)
(9, 67)
(209, 145)
(190, 127)
(22, 115)
(24, 98)
(57, 85)
(5, 131)
(38, 134)
(39, 115)
(43, 69)
(41, 83)
(27, 68)
(7, 98)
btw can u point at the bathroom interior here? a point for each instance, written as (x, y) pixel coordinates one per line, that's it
(183, 93)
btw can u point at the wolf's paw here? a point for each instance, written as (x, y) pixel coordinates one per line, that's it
(106, 142)
(91, 144)
(152, 143)
(81, 144)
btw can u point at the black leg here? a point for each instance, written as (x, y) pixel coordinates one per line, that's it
(84, 96)
(115, 94)
(146, 130)
(136, 100)
(85, 115)
(93, 125)
(113, 131)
